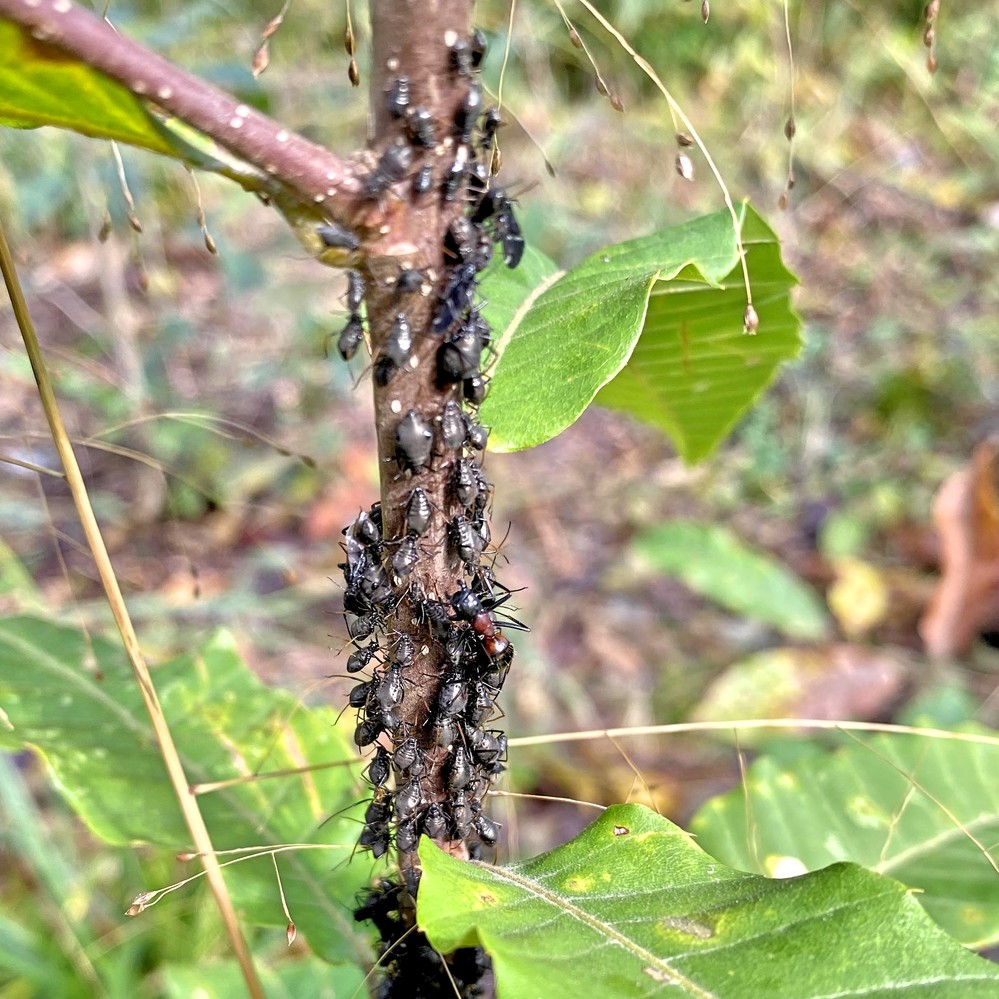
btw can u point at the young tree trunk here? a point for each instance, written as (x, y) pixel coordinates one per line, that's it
(419, 584)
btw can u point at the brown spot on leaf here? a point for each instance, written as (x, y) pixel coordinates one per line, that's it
(656, 974)
(621, 830)
(689, 927)
(39, 51)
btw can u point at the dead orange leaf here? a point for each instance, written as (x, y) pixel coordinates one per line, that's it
(966, 516)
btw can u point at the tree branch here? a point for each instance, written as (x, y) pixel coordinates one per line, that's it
(331, 186)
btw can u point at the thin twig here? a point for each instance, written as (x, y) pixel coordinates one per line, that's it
(823, 724)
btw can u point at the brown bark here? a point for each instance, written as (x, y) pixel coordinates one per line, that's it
(410, 37)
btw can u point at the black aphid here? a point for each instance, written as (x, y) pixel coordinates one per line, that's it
(509, 234)
(421, 129)
(435, 821)
(477, 47)
(468, 114)
(459, 358)
(461, 240)
(485, 490)
(489, 124)
(436, 615)
(380, 905)
(366, 530)
(336, 237)
(461, 815)
(376, 835)
(397, 99)
(461, 57)
(487, 829)
(445, 731)
(453, 695)
(423, 180)
(360, 625)
(459, 293)
(366, 732)
(355, 291)
(488, 747)
(475, 388)
(414, 442)
(407, 835)
(455, 174)
(358, 660)
(478, 436)
(406, 556)
(406, 754)
(465, 540)
(358, 696)
(453, 426)
(399, 343)
(391, 690)
(418, 512)
(466, 486)
(351, 337)
(384, 371)
(481, 705)
(392, 167)
(404, 651)
(378, 768)
(409, 282)
(408, 799)
(459, 771)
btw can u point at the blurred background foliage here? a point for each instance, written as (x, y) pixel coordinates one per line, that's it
(224, 450)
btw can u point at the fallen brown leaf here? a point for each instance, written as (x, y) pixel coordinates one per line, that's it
(966, 516)
(835, 681)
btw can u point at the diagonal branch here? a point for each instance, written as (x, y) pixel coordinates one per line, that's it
(310, 172)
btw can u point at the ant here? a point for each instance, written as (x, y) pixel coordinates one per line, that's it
(477, 609)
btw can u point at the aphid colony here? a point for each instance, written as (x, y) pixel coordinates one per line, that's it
(417, 967)
(431, 776)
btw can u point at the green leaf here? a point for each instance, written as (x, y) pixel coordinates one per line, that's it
(713, 562)
(16, 581)
(653, 325)
(506, 292)
(75, 702)
(42, 85)
(906, 806)
(632, 907)
(301, 979)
